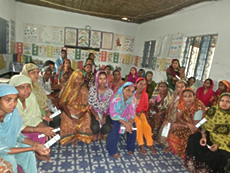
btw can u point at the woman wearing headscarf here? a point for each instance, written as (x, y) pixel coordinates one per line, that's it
(15, 148)
(31, 70)
(98, 99)
(117, 81)
(143, 128)
(133, 75)
(171, 112)
(208, 150)
(122, 112)
(172, 72)
(29, 110)
(151, 85)
(205, 92)
(64, 72)
(158, 107)
(189, 112)
(141, 72)
(75, 117)
(224, 86)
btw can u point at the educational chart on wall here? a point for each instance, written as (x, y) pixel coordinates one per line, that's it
(35, 33)
(83, 38)
(128, 44)
(176, 45)
(107, 40)
(70, 36)
(95, 39)
(118, 42)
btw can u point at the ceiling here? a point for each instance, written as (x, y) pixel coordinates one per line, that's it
(136, 11)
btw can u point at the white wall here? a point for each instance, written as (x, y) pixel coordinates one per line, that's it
(7, 12)
(205, 18)
(39, 15)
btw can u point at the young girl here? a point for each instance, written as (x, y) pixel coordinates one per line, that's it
(143, 128)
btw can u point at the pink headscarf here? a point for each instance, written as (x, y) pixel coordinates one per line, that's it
(130, 76)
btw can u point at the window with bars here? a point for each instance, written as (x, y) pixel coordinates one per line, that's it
(148, 53)
(198, 56)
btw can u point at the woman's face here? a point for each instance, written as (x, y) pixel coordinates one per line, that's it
(102, 80)
(79, 80)
(163, 88)
(92, 56)
(180, 87)
(175, 64)
(116, 75)
(188, 98)
(89, 61)
(133, 71)
(8, 103)
(33, 75)
(67, 64)
(63, 55)
(88, 68)
(191, 81)
(222, 87)
(24, 91)
(225, 102)
(108, 70)
(149, 77)
(128, 92)
(141, 85)
(207, 84)
(140, 73)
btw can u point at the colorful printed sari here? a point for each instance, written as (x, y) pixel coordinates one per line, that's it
(76, 100)
(158, 110)
(5, 167)
(178, 137)
(202, 159)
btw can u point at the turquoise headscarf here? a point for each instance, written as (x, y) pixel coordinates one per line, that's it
(119, 109)
(6, 89)
(11, 125)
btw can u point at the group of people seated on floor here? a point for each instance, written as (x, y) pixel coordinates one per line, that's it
(96, 104)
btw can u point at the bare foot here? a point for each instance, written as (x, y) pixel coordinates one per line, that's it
(167, 149)
(153, 150)
(45, 158)
(75, 142)
(142, 149)
(116, 156)
(130, 153)
(104, 137)
(156, 141)
(94, 137)
(99, 137)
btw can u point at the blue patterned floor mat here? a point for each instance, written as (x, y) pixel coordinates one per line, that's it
(94, 158)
